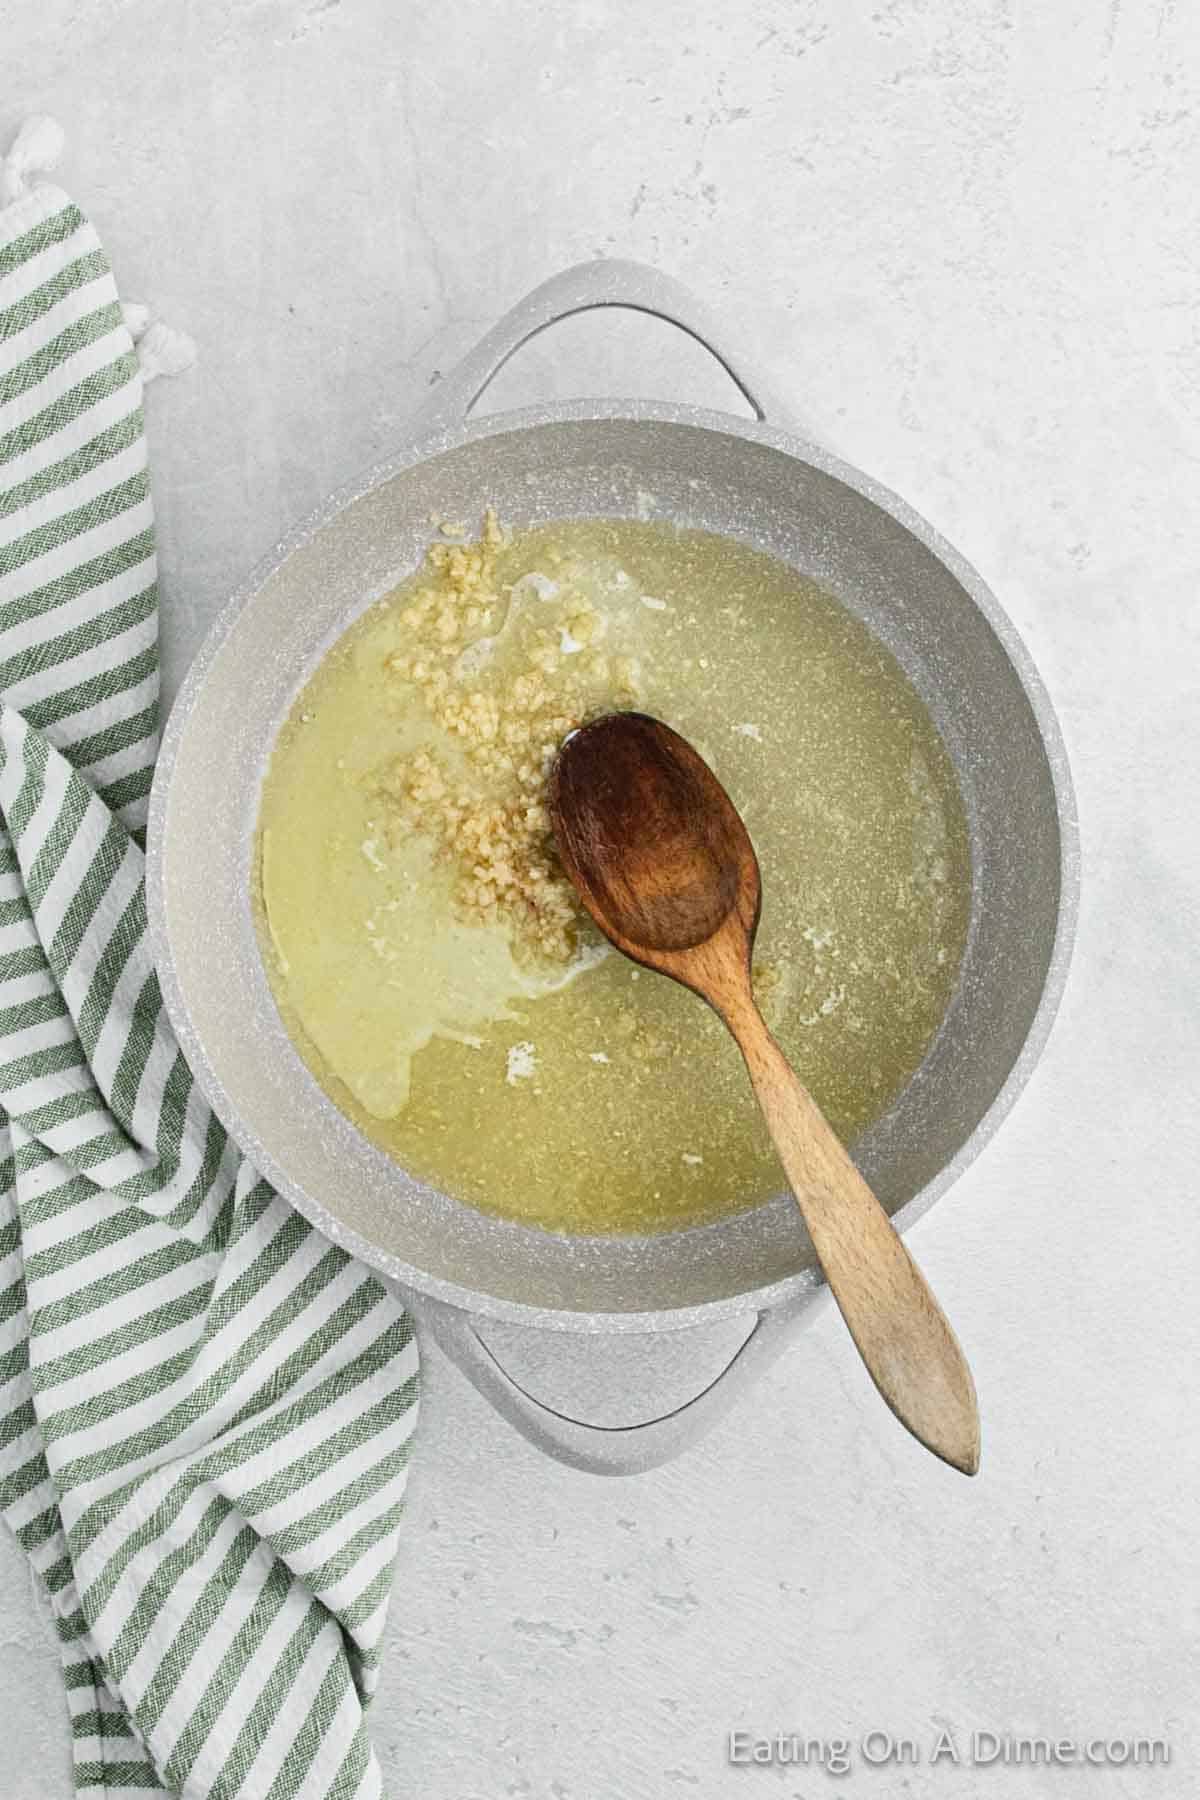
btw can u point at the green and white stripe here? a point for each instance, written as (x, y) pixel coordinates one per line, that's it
(205, 1408)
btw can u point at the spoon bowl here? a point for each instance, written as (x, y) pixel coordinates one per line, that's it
(649, 837)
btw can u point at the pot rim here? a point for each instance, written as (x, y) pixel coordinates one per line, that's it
(425, 446)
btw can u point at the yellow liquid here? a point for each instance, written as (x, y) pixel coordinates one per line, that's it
(616, 1102)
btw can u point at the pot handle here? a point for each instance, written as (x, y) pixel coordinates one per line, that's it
(611, 1449)
(588, 285)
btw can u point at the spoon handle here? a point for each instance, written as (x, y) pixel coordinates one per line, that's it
(902, 1335)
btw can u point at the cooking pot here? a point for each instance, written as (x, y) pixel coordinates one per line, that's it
(595, 1347)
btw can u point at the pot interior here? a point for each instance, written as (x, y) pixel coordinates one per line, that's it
(699, 474)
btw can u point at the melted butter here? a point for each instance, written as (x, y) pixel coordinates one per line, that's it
(584, 1094)
(362, 912)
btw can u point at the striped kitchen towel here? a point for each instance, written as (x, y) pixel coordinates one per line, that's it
(205, 1408)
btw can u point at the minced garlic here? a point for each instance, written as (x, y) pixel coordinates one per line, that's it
(507, 671)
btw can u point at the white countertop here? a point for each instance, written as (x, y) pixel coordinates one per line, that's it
(963, 238)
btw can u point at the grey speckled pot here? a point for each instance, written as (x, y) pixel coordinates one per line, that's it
(499, 1296)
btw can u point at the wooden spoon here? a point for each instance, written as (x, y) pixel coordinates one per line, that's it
(665, 866)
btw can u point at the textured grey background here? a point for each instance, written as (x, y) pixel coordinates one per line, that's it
(964, 237)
